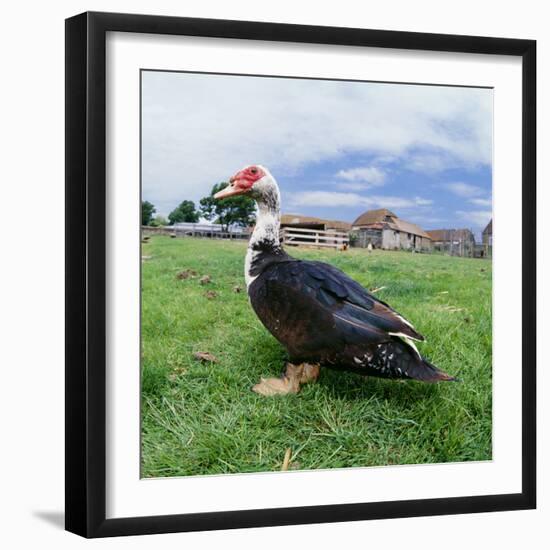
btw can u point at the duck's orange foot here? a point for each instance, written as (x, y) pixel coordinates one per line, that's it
(289, 381)
(275, 386)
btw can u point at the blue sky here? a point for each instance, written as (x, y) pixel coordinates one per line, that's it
(336, 148)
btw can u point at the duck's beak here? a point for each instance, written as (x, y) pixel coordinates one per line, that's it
(228, 191)
(235, 187)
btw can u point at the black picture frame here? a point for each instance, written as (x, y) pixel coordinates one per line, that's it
(86, 274)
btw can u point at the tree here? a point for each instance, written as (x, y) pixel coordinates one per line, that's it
(238, 210)
(159, 221)
(184, 212)
(147, 211)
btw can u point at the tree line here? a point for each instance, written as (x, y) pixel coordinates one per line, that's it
(238, 210)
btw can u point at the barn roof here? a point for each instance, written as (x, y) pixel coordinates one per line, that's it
(298, 219)
(376, 217)
(489, 229)
(449, 234)
(373, 216)
(409, 227)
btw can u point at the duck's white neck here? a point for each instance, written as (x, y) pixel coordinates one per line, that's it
(265, 238)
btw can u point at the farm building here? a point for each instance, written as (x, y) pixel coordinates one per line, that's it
(455, 242)
(383, 229)
(206, 227)
(203, 229)
(487, 240)
(309, 222)
(311, 231)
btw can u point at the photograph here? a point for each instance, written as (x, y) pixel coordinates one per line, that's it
(316, 273)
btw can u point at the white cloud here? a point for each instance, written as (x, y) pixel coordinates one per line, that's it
(481, 202)
(430, 163)
(337, 199)
(476, 219)
(464, 189)
(199, 129)
(422, 202)
(354, 186)
(361, 178)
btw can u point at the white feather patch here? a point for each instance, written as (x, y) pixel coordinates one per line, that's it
(401, 335)
(401, 318)
(406, 340)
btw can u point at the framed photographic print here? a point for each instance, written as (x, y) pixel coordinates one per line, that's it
(285, 303)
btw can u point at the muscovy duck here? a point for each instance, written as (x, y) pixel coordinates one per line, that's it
(321, 316)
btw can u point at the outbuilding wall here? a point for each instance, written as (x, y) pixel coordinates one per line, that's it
(399, 240)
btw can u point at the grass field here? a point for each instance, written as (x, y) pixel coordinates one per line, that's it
(202, 418)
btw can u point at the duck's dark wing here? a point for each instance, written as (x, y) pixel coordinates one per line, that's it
(351, 304)
(319, 300)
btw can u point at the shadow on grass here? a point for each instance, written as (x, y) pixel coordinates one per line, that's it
(344, 384)
(353, 386)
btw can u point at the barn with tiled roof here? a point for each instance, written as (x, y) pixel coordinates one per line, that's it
(382, 228)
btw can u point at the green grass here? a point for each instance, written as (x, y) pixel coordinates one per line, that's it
(202, 418)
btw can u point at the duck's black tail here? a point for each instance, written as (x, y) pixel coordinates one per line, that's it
(400, 359)
(426, 372)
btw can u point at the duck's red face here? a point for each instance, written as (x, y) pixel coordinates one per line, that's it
(242, 182)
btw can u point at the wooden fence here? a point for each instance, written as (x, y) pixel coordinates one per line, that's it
(297, 236)
(290, 236)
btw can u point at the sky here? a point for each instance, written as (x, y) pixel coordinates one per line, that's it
(336, 148)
